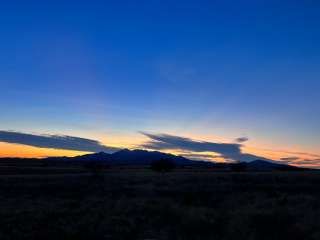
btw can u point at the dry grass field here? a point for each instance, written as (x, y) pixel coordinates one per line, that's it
(141, 204)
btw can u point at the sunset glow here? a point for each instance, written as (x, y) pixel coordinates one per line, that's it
(196, 77)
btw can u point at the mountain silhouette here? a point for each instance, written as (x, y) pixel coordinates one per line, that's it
(139, 157)
(266, 165)
(129, 157)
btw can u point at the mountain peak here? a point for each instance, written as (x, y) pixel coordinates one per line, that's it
(140, 157)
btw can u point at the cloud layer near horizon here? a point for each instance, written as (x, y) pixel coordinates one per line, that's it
(189, 148)
(228, 151)
(55, 141)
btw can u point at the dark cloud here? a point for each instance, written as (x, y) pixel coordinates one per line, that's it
(54, 141)
(241, 139)
(301, 162)
(199, 156)
(229, 151)
(298, 153)
(290, 158)
(165, 141)
(306, 162)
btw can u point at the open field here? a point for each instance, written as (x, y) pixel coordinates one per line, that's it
(147, 205)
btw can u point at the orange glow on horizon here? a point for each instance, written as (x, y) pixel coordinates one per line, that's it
(17, 150)
(135, 141)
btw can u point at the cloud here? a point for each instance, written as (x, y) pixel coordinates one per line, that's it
(228, 151)
(301, 161)
(306, 162)
(290, 158)
(302, 154)
(55, 142)
(199, 156)
(241, 139)
(166, 141)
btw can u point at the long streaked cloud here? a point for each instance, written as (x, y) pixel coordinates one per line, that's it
(301, 161)
(228, 151)
(292, 153)
(289, 159)
(302, 154)
(62, 142)
(199, 156)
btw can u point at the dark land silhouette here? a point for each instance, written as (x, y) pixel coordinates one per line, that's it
(136, 194)
(136, 158)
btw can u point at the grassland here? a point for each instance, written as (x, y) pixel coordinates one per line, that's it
(141, 204)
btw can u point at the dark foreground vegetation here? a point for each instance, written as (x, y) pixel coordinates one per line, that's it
(142, 204)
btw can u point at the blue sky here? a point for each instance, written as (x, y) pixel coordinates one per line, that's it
(200, 69)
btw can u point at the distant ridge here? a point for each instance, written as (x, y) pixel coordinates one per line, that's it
(266, 165)
(139, 157)
(129, 157)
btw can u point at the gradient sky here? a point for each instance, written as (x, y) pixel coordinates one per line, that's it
(205, 70)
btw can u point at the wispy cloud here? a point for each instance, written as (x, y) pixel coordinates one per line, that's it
(292, 153)
(301, 161)
(289, 159)
(228, 151)
(199, 156)
(302, 154)
(55, 142)
(241, 139)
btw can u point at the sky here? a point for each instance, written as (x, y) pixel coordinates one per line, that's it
(201, 76)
